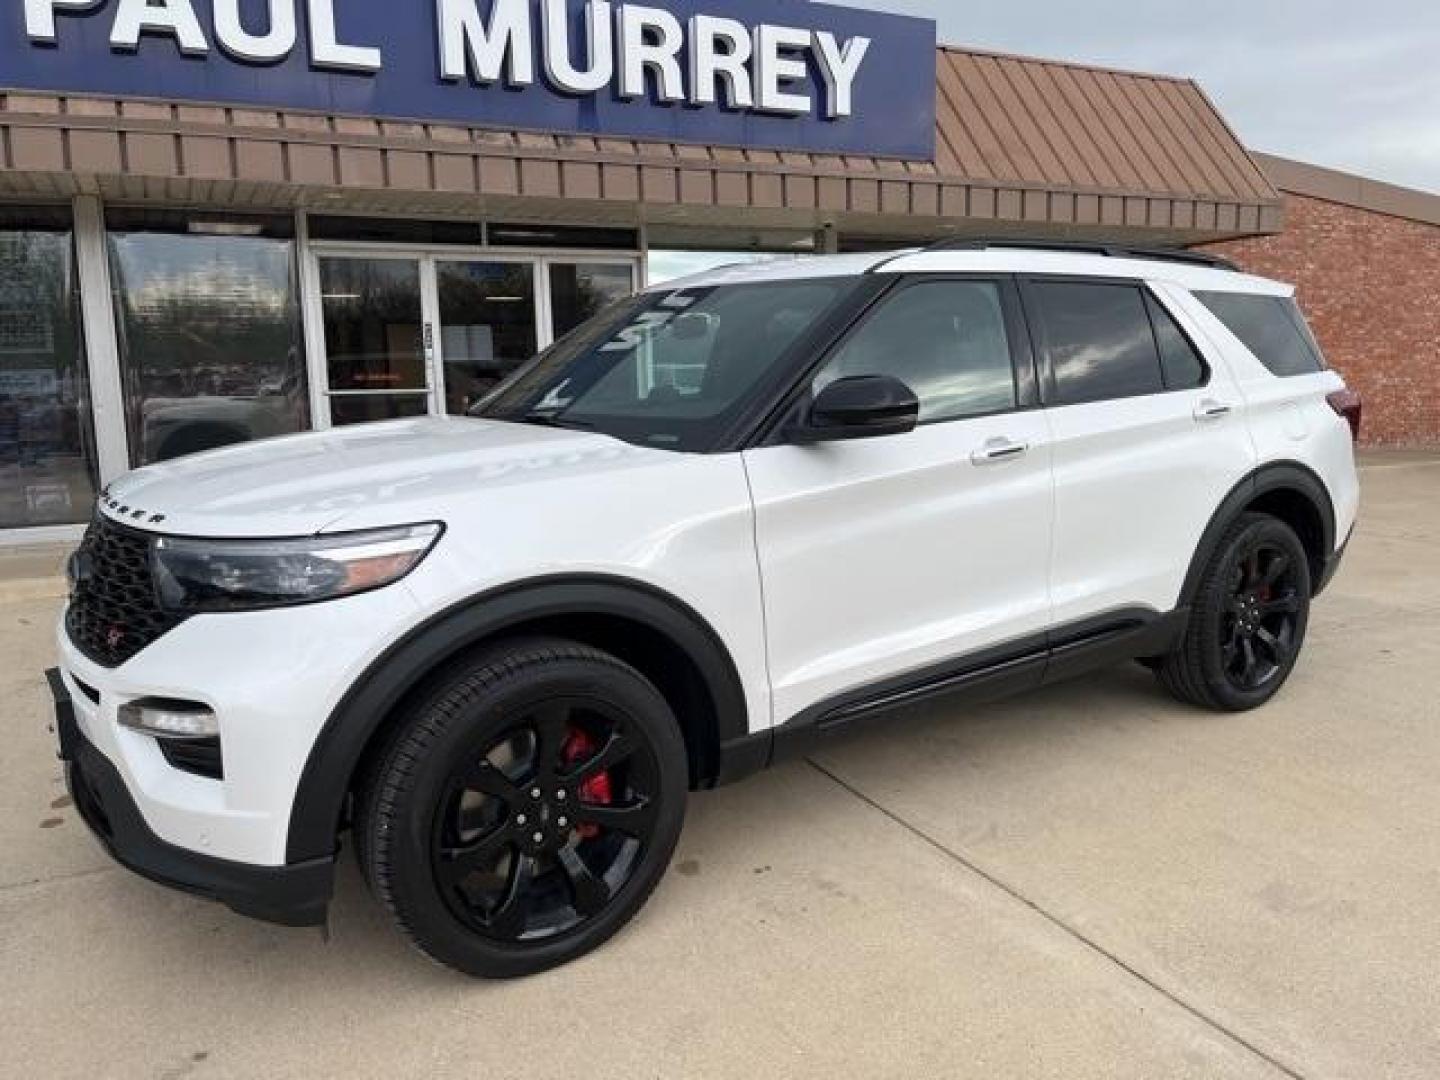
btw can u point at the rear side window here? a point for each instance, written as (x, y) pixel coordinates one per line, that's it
(1099, 339)
(1271, 327)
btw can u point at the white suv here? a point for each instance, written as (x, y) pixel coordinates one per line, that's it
(727, 518)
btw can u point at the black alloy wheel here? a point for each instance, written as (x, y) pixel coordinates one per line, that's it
(541, 827)
(1262, 617)
(1247, 619)
(526, 808)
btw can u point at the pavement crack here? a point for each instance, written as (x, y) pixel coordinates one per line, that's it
(1059, 923)
(58, 879)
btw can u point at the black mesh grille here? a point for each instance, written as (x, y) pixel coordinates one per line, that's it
(113, 612)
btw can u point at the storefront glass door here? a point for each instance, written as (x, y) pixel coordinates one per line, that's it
(488, 325)
(416, 333)
(378, 342)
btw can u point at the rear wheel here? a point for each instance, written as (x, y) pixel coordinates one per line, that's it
(526, 810)
(1247, 622)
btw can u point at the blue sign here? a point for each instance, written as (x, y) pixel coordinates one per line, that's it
(779, 74)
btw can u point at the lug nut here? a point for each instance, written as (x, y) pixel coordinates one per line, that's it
(563, 822)
(519, 819)
(539, 837)
(534, 792)
(560, 795)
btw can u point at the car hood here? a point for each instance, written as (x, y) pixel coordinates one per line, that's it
(354, 477)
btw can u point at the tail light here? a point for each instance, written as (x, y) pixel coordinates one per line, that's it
(1349, 406)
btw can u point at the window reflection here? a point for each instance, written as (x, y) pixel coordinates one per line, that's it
(945, 340)
(47, 458)
(209, 326)
(373, 338)
(579, 291)
(487, 326)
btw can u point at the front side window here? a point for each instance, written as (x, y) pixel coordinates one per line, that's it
(668, 368)
(1271, 327)
(208, 313)
(945, 340)
(1099, 339)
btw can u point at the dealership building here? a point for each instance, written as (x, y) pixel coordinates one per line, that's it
(234, 219)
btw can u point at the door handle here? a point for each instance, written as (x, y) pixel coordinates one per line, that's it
(1210, 409)
(999, 450)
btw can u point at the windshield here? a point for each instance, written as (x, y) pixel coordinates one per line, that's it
(671, 368)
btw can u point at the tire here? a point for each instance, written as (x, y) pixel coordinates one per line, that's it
(526, 808)
(1247, 620)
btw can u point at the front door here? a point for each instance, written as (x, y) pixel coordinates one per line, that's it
(887, 556)
(379, 341)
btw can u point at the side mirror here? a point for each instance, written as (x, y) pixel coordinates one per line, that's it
(861, 407)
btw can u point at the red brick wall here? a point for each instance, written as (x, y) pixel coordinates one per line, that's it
(1370, 286)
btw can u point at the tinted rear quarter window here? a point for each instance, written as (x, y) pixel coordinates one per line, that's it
(1271, 327)
(1184, 369)
(1099, 339)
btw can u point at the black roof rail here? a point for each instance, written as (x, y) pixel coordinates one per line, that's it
(1081, 247)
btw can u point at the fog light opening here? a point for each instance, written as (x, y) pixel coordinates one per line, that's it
(170, 719)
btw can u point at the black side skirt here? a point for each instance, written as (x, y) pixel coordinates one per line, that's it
(990, 675)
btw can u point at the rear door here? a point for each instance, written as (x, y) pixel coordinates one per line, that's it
(1148, 439)
(889, 556)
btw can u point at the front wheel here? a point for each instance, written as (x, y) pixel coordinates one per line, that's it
(1247, 622)
(526, 809)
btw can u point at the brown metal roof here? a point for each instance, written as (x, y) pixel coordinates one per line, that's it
(1022, 145)
(1012, 118)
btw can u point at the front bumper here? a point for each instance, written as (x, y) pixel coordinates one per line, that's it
(294, 895)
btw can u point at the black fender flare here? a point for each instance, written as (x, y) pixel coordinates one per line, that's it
(325, 781)
(1281, 475)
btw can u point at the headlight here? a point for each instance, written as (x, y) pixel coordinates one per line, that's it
(236, 575)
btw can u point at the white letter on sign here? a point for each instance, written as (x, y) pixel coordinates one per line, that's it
(40, 16)
(467, 45)
(776, 64)
(233, 38)
(327, 52)
(838, 67)
(600, 47)
(720, 49)
(650, 38)
(174, 17)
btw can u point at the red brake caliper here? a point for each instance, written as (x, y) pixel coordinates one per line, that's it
(579, 746)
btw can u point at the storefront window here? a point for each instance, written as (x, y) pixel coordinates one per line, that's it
(47, 445)
(579, 291)
(208, 314)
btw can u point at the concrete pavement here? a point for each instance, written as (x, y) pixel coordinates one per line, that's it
(1090, 881)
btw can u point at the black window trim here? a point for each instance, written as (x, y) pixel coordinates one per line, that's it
(1049, 387)
(1153, 300)
(1022, 353)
